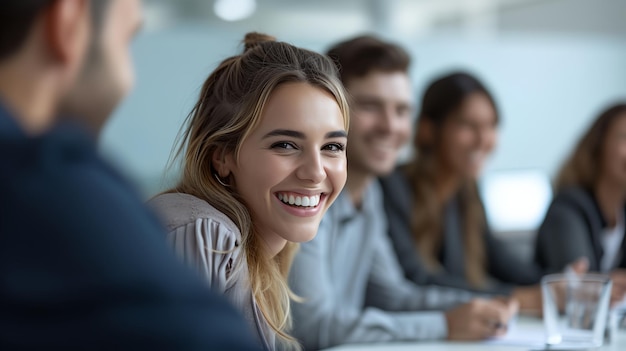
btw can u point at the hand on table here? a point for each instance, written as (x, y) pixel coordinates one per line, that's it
(530, 299)
(579, 267)
(480, 319)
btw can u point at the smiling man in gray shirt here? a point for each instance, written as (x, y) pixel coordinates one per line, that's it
(352, 285)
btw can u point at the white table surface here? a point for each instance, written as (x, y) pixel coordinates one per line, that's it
(523, 325)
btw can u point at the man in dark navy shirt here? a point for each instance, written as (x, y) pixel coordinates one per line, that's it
(83, 265)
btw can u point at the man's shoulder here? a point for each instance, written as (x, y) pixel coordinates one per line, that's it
(60, 153)
(59, 176)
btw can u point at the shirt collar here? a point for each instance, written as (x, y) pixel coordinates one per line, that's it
(345, 209)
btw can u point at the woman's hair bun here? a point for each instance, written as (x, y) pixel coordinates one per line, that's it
(254, 39)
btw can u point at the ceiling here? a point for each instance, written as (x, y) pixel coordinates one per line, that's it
(405, 18)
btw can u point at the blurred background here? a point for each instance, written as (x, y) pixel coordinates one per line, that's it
(552, 65)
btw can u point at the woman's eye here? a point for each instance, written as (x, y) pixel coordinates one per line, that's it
(283, 145)
(335, 147)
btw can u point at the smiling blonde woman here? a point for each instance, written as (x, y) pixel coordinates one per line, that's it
(264, 158)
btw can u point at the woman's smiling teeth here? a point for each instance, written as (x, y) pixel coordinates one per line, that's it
(302, 201)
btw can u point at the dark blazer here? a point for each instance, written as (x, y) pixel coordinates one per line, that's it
(84, 266)
(503, 267)
(572, 229)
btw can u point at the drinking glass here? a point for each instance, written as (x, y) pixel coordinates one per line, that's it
(575, 309)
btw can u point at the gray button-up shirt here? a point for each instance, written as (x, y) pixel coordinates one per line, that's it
(353, 285)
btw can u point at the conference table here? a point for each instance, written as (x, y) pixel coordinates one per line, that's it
(527, 334)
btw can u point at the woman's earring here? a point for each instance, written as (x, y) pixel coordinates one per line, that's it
(221, 181)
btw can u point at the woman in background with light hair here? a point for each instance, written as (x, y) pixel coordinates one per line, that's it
(263, 159)
(586, 217)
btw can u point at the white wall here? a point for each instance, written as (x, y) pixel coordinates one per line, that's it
(599, 17)
(547, 89)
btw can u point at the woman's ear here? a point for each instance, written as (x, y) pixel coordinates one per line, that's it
(425, 133)
(222, 162)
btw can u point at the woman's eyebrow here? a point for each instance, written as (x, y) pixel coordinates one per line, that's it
(337, 134)
(300, 135)
(285, 132)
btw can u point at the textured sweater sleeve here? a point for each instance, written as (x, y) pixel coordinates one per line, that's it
(208, 247)
(204, 238)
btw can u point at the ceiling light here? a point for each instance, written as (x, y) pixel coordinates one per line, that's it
(234, 10)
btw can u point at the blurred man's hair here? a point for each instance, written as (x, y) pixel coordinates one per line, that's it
(359, 56)
(17, 18)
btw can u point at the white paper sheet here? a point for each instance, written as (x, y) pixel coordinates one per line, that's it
(530, 337)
